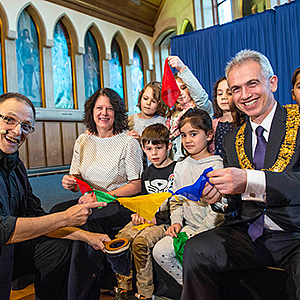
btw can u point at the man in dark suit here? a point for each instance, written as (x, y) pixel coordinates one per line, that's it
(262, 184)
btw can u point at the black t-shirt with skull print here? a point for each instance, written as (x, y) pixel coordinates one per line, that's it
(159, 180)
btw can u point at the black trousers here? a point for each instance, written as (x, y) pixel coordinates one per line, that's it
(49, 259)
(86, 263)
(228, 248)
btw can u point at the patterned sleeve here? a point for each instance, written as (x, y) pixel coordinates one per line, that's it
(197, 92)
(133, 159)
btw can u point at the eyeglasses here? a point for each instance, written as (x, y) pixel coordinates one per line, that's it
(26, 128)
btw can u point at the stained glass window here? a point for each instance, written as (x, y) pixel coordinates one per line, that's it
(28, 59)
(115, 69)
(91, 65)
(137, 76)
(62, 68)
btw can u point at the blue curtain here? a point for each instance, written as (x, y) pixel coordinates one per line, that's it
(287, 20)
(207, 51)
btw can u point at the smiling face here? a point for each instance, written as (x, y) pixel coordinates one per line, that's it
(296, 90)
(252, 93)
(224, 96)
(184, 97)
(148, 104)
(195, 141)
(104, 116)
(15, 137)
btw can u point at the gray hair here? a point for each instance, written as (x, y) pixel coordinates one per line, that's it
(247, 55)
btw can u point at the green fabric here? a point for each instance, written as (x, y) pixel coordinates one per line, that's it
(104, 197)
(179, 243)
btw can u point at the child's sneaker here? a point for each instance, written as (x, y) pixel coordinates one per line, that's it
(138, 296)
(121, 294)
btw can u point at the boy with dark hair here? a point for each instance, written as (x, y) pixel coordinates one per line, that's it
(157, 178)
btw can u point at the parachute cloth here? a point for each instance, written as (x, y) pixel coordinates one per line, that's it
(169, 90)
(147, 205)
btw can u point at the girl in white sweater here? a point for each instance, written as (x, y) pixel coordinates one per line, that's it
(188, 216)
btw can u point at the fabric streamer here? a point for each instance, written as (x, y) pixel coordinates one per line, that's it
(169, 91)
(193, 192)
(147, 205)
(179, 243)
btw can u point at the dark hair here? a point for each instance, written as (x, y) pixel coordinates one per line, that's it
(294, 77)
(217, 110)
(121, 121)
(199, 119)
(156, 88)
(20, 98)
(156, 134)
(238, 117)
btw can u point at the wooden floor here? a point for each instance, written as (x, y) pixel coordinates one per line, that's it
(28, 294)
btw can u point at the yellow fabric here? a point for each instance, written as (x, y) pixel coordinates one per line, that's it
(147, 205)
(142, 226)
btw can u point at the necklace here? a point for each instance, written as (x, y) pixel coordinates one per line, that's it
(287, 148)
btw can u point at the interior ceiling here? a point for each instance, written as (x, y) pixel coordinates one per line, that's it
(138, 15)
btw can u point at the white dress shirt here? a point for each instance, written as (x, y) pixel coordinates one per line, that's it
(256, 179)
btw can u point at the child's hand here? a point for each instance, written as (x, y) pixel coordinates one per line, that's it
(88, 132)
(177, 63)
(134, 134)
(173, 230)
(137, 219)
(87, 198)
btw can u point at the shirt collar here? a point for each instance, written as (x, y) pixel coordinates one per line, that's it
(267, 122)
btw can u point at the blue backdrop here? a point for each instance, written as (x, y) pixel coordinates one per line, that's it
(275, 33)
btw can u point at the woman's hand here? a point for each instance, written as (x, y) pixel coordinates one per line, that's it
(69, 183)
(87, 198)
(137, 219)
(177, 63)
(173, 230)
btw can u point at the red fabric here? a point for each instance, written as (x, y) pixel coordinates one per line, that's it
(170, 91)
(83, 186)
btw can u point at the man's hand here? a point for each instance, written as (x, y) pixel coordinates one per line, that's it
(137, 219)
(173, 230)
(229, 180)
(87, 198)
(77, 214)
(177, 63)
(96, 240)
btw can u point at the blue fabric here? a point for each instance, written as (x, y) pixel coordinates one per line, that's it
(194, 191)
(272, 32)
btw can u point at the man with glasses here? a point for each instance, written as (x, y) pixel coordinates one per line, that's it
(28, 241)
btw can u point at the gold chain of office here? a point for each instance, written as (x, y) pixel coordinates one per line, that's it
(287, 148)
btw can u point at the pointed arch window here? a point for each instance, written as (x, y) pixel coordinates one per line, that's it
(62, 68)
(116, 69)
(91, 67)
(29, 59)
(137, 76)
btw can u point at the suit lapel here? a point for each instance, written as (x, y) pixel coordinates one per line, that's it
(248, 141)
(276, 136)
